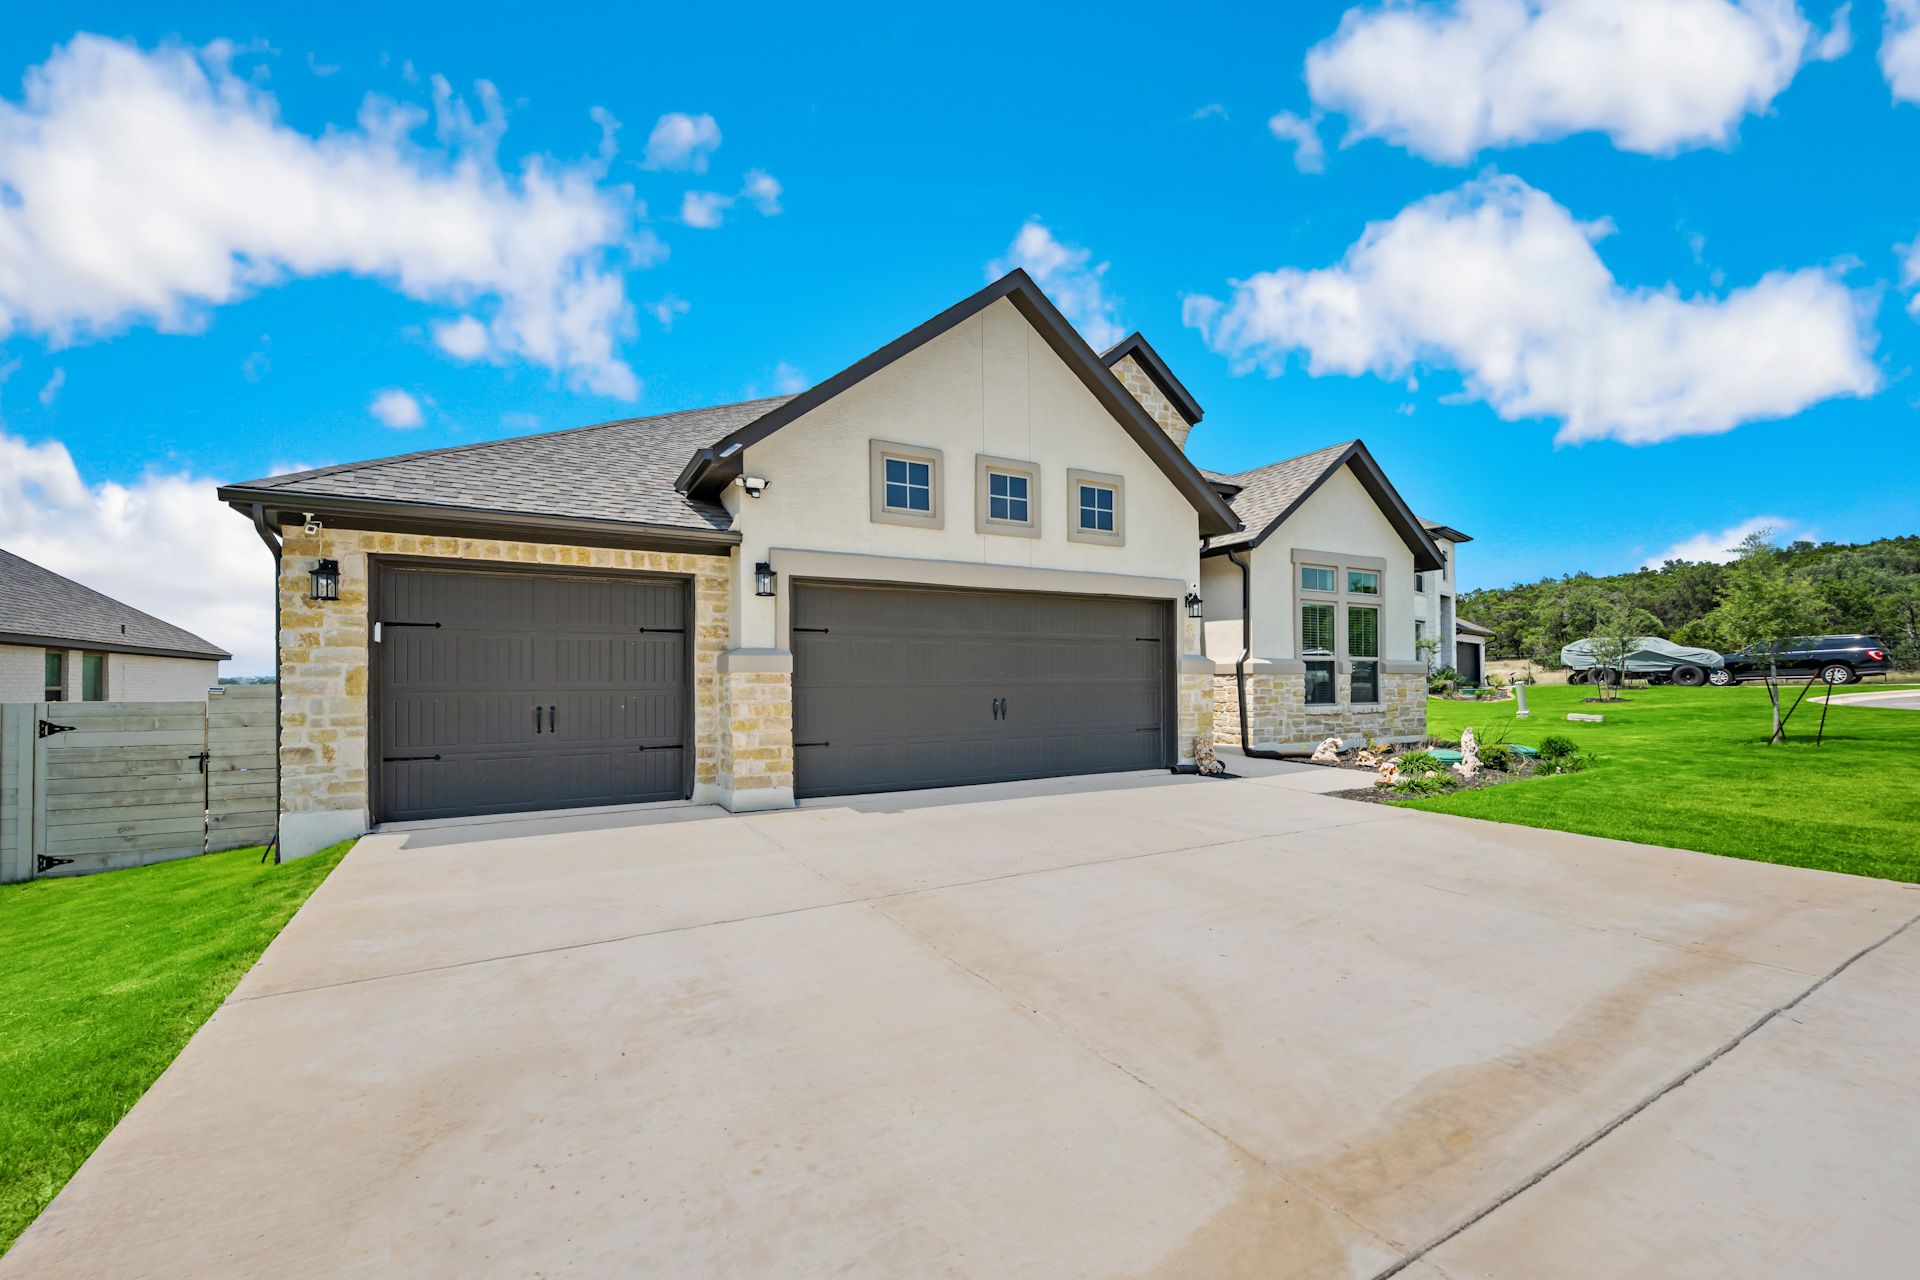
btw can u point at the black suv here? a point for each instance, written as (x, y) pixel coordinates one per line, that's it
(1842, 659)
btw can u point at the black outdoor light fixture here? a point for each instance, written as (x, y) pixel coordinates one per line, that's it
(1193, 603)
(763, 579)
(326, 581)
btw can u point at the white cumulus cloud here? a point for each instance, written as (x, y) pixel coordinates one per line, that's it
(1309, 153)
(682, 142)
(51, 391)
(1447, 81)
(704, 209)
(1900, 49)
(397, 409)
(1724, 547)
(161, 543)
(149, 185)
(1069, 276)
(1499, 282)
(464, 339)
(764, 190)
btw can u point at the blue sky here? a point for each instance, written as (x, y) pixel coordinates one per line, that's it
(1592, 322)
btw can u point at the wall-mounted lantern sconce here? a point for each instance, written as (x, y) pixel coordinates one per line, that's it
(1193, 603)
(763, 579)
(326, 581)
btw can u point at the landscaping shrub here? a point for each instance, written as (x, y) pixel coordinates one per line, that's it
(1443, 742)
(1556, 747)
(1442, 680)
(1562, 764)
(1426, 784)
(1418, 762)
(1497, 756)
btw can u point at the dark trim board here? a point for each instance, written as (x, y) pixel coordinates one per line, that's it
(383, 516)
(379, 565)
(1426, 555)
(105, 646)
(712, 469)
(1157, 372)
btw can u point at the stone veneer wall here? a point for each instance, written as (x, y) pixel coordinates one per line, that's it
(324, 651)
(1133, 376)
(1277, 711)
(756, 741)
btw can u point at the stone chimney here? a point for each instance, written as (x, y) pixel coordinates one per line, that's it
(1146, 377)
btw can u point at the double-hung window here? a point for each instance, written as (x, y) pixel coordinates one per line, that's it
(1363, 648)
(54, 689)
(1316, 647)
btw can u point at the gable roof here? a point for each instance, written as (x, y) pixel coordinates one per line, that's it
(1157, 371)
(1268, 495)
(713, 468)
(38, 606)
(616, 473)
(1471, 628)
(1448, 532)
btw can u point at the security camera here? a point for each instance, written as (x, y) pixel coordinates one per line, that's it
(754, 485)
(312, 526)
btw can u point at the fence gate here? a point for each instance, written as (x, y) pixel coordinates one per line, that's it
(91, 786)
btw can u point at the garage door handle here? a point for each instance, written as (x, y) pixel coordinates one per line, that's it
(536, 718)
(553, 721)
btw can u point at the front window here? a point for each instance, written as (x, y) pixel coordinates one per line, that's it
(1316, 646)
(1096, 508)
(1363, 646)
(55, 686)
(1420, 582)
(909, 485)
(93, 677)
(1007, 497)
(1363, 582)
(1315, 578)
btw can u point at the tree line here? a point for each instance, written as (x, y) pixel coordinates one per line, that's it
(1765, 593)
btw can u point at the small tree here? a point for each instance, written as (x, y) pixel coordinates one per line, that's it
(1618, 629)
(1763, 606)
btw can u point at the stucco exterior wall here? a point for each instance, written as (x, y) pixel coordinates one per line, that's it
(325, 678)
(992, 386)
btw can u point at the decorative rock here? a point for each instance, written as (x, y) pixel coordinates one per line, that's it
(1389, 774)
(1366, 759)
(1466, 771)
(1203, 757)
(1328, 752)
(1577, 715)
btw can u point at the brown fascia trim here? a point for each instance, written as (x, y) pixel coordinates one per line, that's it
(1171, 387)
(476, 522)
(112, 646)
(712, 469)
(1426, 555)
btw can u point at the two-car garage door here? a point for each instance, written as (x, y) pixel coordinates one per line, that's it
(901, 687)
(499, 692)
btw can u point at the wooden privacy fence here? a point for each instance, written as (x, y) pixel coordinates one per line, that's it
(90, 786)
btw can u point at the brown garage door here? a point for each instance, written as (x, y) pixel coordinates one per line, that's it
(500, 692)
(897, 687)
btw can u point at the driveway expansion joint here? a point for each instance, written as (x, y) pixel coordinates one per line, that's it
(1590, 1141)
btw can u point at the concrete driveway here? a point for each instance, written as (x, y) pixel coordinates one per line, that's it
(1138, 1026)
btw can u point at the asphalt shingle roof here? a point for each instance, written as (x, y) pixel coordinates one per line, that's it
(1267, 491)
(622, 470)
(39, 603)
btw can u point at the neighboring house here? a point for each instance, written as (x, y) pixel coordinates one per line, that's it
(1436, 619)
(1470, 650)
(63, 642)
(1328, 558)
(967, 557)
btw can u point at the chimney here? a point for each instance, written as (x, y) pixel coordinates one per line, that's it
(1146, 377)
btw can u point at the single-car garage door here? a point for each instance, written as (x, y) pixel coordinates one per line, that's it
(900, 687)
(501, 692)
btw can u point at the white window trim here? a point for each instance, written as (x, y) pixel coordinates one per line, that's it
(1098, 479)
(878, 451)
(985, 465)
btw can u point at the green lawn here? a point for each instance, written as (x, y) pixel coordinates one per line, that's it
(102, 980)
(1691, 768)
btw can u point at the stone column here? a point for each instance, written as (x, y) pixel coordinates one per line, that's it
(755, 766)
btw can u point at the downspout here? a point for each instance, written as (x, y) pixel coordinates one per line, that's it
(261, 527)
(1240, 667)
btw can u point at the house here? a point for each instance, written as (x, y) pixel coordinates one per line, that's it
(64, 642)
(1311, 604)
(1435, 618)
(973, 555)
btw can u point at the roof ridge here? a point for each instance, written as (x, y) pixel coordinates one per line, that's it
(1281, 462)
(314, 473)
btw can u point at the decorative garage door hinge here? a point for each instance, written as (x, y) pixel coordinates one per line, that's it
(663, 631)
(46, 863)
(48, 728)
(403, 759)
(675, 747)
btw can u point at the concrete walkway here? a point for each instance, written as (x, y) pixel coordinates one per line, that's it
(1135, 1026)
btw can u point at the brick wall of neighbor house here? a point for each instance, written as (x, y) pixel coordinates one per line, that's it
(139, 677)
(1278, 715)
(324, 675)
(1133, 376)
(23, 668)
